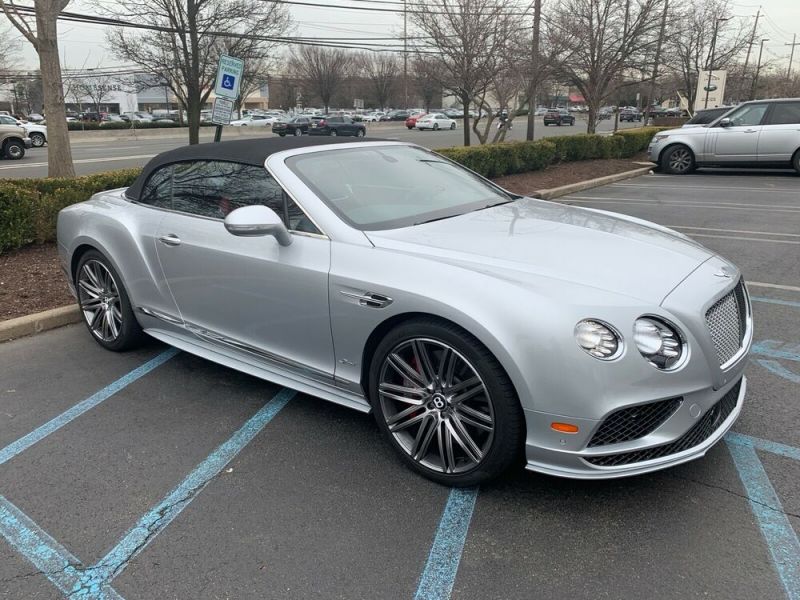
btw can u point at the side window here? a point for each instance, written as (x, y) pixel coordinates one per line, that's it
(785, 113)
(157, 190)
(751, 114)
(347, 120)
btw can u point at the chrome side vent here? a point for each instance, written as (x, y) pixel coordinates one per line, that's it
(368, 299)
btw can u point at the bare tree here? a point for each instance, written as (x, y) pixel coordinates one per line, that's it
(97, 89)
(605, 40)
(689, 44)
(322, 70)
(426, 82)
(43, 36)
(381, 70)
(194, 34)
(9, 51)
(469, 37)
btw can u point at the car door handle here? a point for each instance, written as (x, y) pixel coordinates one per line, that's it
(170, 239)
(751, 130)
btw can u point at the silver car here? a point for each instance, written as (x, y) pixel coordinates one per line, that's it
(759, 134)
(478, 326)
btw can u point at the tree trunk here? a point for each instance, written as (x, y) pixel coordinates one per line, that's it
(465, 101)
(59, 152)
(591, 126)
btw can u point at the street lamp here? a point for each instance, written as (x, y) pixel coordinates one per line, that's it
(711, 62)
(758, 70)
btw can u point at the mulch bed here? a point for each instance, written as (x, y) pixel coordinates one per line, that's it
(31, 279)
(566, 173)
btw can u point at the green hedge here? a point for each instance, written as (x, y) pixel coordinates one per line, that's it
(108, 125)
(29, 207)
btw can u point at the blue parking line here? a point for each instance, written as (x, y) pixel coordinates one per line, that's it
(52, 560)
(776, 349)
(781, 539)
(162, 514)
(778, 369)
(741, 439)
(76, 411)
(775, 301)
(436, 582)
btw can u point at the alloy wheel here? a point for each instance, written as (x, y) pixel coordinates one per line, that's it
(436, 405)
(298, 132)
(37, 140)
(99, 299)
(680, 160)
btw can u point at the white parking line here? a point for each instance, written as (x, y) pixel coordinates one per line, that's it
(720, 205)
(735, 231)
(704, 187)
(775, 286)
(746, 239)
(81, 161)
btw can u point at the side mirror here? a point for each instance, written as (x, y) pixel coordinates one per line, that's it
(255, 221)
(726, 122)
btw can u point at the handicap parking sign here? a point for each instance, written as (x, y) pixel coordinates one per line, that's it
(229, 75)
(228, 81)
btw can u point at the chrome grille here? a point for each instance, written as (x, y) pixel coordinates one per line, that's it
(726, 323)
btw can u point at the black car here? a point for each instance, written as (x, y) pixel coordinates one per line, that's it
(707, 115)
(398, 115)
(558, 116)
(337, 126)
(630, 115)
(295, 126)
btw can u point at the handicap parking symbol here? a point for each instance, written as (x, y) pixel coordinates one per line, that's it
(228, 81)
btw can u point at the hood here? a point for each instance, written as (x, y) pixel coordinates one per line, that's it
(537, 238)
(686, 130)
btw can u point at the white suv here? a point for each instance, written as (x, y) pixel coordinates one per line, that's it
(757, 134)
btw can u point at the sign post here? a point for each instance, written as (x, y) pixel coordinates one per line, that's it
(229, 78)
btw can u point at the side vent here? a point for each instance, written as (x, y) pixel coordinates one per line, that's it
(368, 299)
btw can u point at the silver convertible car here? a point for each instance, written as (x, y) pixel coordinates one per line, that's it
(478, 326)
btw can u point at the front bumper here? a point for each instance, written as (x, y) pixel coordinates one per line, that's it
(575, 464)
(27, 141)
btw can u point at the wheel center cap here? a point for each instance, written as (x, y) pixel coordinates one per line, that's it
(439, 401)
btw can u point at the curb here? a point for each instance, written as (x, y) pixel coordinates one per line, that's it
(563, 190)
(39, 322)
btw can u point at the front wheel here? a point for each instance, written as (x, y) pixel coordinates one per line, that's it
(105, 305)
(436, 127)
(14, 150)
(452, 125)
(333, 133)
(360, 133)
(298, 132)
(37, 140)
(445, 404)
(677, 160)
(796, 161)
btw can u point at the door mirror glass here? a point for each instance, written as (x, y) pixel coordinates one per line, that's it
(255, 221)
(726, 122)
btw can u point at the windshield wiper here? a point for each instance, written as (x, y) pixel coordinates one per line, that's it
(459, 214)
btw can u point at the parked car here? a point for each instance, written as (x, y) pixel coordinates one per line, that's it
(411, 121)
(337, 126)
(558, 116)
(398, 115)
(435, 122)
(13, 142)
(111, 118)
(35, 117)
(254, 120)
(92, 117)
(540, 112)
(137, 117)
(630, 115)
(374, 294)
(37, 132)
(757, 134)
(295, 126)
(371, 117)
(707, 116)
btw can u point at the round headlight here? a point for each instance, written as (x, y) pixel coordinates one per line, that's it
(659, 343)
(598, 339)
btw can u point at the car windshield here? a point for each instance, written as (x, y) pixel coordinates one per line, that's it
(704, 117)
(387, 187)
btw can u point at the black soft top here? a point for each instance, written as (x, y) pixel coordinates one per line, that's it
(250, 152)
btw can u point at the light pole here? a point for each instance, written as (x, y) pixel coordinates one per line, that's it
(758, 70)
(713, 49)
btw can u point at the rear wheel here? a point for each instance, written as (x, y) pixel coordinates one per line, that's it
(298, 132)
(14, 150)
(436, 127)
(360, 133)
(282, 134)
(105, 305)
(796, 161)
(452, 125)
(333, 133)
(677, 160)
(445, 403)
(37, 139)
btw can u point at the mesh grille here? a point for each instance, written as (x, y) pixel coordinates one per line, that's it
(726, 323)
(702, 430)
(634, 422)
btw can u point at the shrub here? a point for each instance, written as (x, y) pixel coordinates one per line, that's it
(110, 125)
(495, 160)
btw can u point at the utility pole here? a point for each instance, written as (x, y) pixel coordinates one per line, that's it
(791, 56)
(405, 53)
(624, 37)
(532, 85)
(747, 57)
(758, 70)
(652, 91)
(713, 49)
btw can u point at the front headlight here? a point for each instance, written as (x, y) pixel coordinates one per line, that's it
(660, 343)
(598, 339)
(658, 138)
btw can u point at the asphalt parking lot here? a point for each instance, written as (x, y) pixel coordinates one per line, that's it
(154, 474)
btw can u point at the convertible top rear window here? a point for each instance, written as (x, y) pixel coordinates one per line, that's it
(387, 187)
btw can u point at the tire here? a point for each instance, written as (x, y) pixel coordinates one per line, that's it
(409, 128)
(298, 132)
(14, 150)
(436, 127)
(360, 133)
(37, 139)
(282, 134)
(796, 161)
(452, 126)
(333, 133)
(677, 160)
(98, 284)
(494, 423)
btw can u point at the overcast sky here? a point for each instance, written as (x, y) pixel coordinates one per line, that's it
(82, 46)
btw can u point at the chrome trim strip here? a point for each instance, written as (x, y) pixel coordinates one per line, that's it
(151, 312)
(370, 299)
